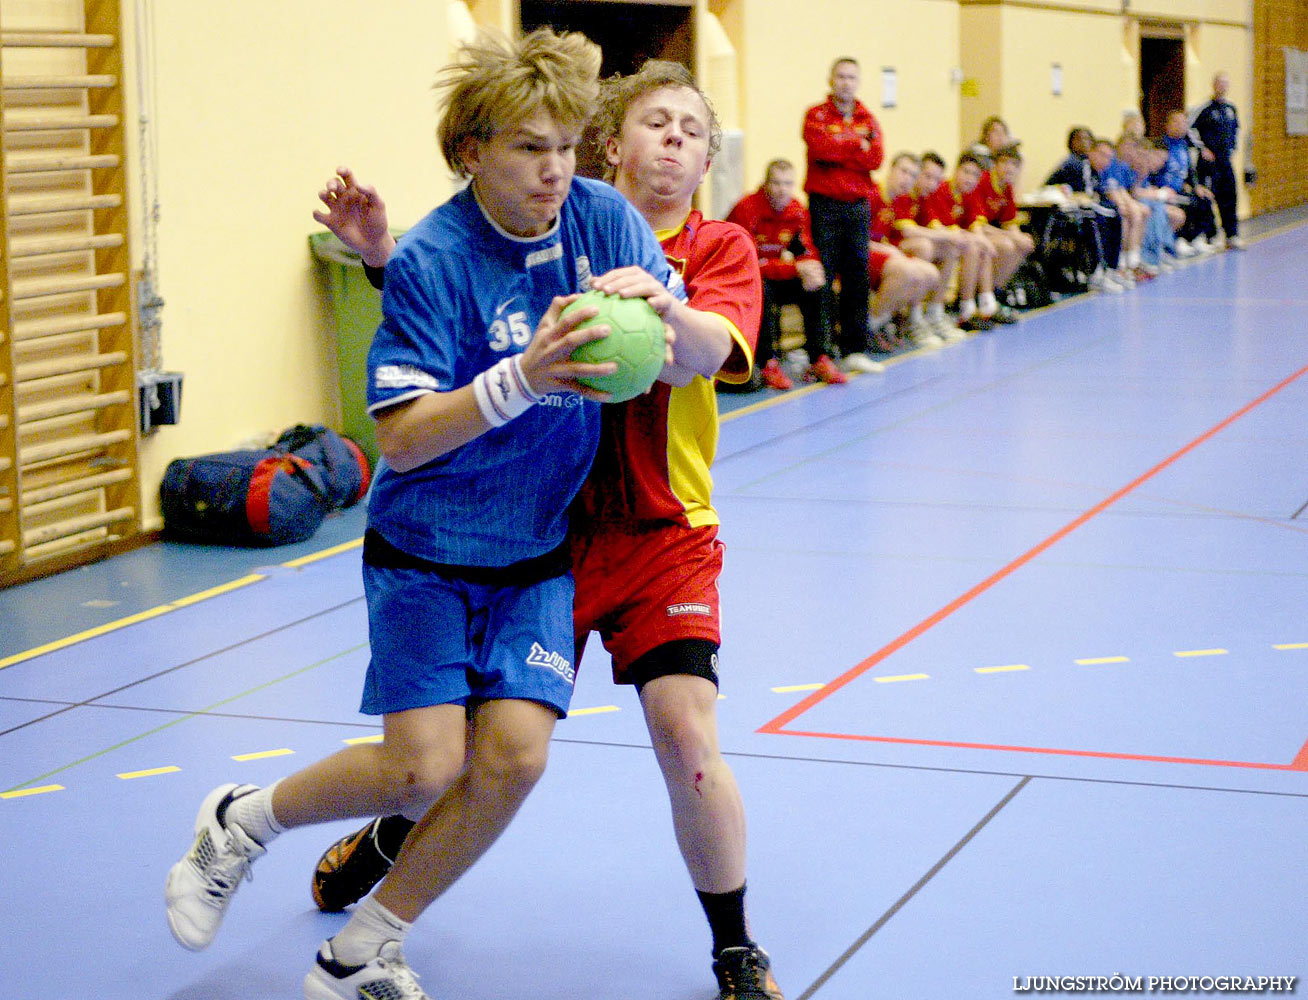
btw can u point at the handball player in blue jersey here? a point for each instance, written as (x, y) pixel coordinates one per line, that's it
(486, 436)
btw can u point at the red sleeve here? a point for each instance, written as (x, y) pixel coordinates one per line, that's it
(974, 208)
(1008, 213)
(724, 279)
(876, 151)
(741, 215)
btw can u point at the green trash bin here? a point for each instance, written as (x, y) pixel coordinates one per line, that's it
(357, 306)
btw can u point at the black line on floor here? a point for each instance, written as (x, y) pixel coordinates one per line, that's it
(200, 714)
(1299, 511)
(913, 891)
(839, 415)
(199, 659)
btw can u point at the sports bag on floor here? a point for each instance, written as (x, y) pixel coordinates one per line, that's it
(341, 462)
(266, 497)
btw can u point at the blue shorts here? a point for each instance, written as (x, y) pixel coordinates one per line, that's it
(443, 640)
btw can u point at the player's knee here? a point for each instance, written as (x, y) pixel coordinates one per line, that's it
(420, 778)
(928, 278)
(685, 752)
(509, 767)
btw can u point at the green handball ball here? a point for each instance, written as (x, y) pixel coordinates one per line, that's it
(635, 342)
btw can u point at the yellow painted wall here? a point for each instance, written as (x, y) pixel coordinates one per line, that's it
(257, 104)
(1100, 80)
(981, 34)
(785, 67)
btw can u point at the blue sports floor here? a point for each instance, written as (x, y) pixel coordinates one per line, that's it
(1015, 686)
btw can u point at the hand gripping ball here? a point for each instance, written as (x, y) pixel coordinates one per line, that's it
(635, 341)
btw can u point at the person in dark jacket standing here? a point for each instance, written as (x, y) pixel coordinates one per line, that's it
(1218, 126)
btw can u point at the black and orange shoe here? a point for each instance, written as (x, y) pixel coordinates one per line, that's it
(745, 974)
(349, 869)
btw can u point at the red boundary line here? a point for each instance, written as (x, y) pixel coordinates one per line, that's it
(1300, 763)
(776, 726)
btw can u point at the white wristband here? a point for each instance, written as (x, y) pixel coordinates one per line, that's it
(503, 392)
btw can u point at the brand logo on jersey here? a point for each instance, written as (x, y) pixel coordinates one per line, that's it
(545, 256)
(403, 377)
(583, 272)
(563, 401)
(541, 657)
(689, 609)
(499, 309)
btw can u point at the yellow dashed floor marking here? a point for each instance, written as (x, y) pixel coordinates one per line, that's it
(1201, 652)
(1291, 645)
(21, 792)
(149, 773)
(354, 741)
(797, 687)
(1093, 660)
(598, 710)
(283, 752)
(1002, 670)
(902, 677)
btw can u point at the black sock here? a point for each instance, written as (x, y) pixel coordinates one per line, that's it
(726, 917)
(391, 831)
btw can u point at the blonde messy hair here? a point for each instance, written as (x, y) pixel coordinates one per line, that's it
(620, 92)
(495, 83)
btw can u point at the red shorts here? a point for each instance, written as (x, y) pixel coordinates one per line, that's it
(877, 255)
(641, 589)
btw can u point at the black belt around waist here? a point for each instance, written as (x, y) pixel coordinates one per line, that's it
(377, 551)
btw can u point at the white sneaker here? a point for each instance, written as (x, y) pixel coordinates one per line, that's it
(1235, 243)
(1102, 281)
(1184, 249)
(946, 330)
(795, 363)
(200, 886)
(386, 977)
(860, 364)
(924, 336)
(1200, 245)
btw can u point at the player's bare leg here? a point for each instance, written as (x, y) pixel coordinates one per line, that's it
(708, 817)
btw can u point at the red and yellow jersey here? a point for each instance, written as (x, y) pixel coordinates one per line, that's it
(907, 209)
(656, 450)
(781, 238)
(839, 166)
(882, 227)
(997, 204)
(942, 207)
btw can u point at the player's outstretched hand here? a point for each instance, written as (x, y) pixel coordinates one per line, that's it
(356, 214)
(547, 362)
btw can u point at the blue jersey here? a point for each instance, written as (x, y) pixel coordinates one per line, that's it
(1116, 176)
(1176, 171)
(460, 294)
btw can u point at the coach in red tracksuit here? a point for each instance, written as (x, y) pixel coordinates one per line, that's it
(844, 147)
